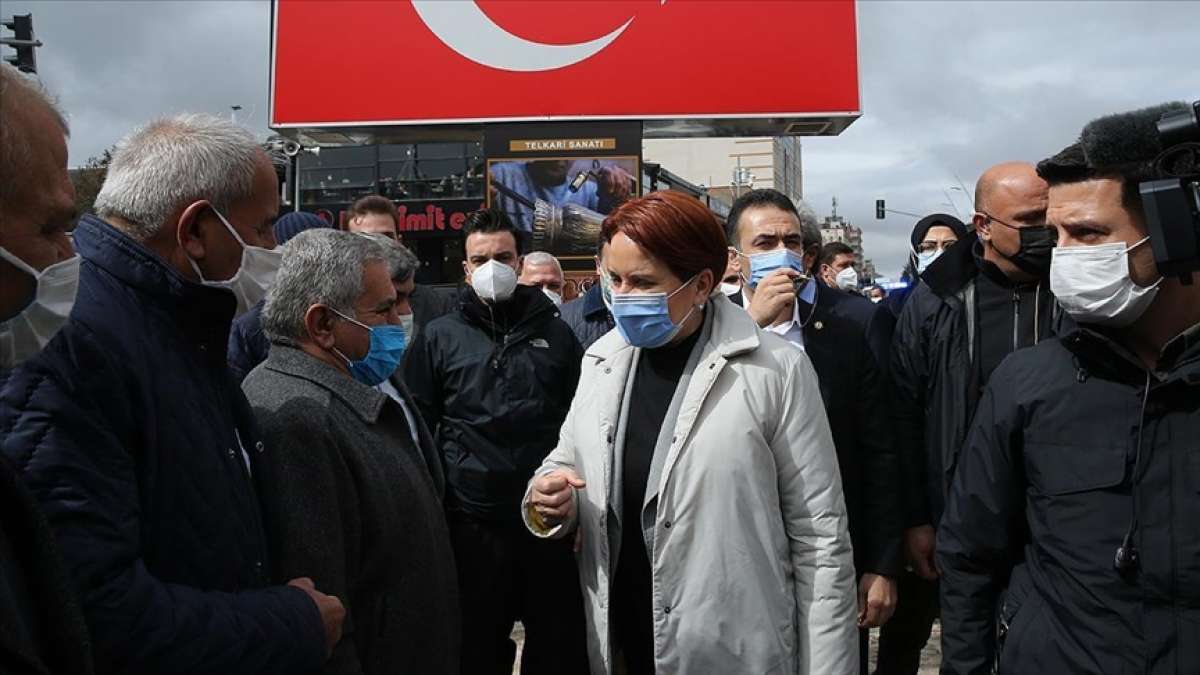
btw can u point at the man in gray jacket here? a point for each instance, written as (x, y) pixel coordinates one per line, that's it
(352, 489)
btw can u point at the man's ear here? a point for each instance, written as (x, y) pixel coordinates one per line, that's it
(520, 264)
(983, 225)
(187, 230)
(318, 323)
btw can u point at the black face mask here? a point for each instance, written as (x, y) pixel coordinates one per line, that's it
(1035, 250)
(1037, 247)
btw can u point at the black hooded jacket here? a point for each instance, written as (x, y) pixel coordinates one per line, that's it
(495, 383)
(1048, 484)
(935, 369)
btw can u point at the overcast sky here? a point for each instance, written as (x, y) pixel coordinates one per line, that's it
(948, 87)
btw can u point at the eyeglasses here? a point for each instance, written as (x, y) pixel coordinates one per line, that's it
(1040, 223)
(931, 246)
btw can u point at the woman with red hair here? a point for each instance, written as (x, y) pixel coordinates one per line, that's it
(697, 473)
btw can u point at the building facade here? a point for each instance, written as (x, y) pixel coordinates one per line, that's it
(836, 228)
(731, 166)
(434, 186)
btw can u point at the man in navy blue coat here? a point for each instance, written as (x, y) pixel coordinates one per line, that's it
(41, 626)
(135, 440)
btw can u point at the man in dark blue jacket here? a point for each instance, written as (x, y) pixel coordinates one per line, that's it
(41, 626)
(135, 440)
(588, 315)
(775, 242)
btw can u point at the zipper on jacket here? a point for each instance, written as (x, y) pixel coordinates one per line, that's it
(1016, 319)
(1037, 306)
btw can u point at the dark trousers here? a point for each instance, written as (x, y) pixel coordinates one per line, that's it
(903, 637)
(505, 574)
(864, 651)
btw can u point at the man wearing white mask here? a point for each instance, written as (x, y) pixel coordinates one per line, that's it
(837, 267)
(1073, 509)
(494, 381)
(135, 438)
(41, 626)
(542, 270)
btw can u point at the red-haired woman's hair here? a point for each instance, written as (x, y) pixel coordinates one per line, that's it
(674, 228)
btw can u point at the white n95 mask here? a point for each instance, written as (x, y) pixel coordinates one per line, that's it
(494, 281)
(25, 334)
(847, 279)
(1092, 284)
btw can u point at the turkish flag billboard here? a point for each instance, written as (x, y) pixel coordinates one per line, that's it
(347, 63)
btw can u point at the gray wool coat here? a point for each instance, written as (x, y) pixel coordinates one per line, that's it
(348, 501)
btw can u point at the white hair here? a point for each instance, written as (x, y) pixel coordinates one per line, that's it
(540, 258)
(17, 144)
(169, 163)
(321, 266)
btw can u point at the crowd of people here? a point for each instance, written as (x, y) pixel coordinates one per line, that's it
(236, 441)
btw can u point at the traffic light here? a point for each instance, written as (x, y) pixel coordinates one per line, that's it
(879, 210)
(22, 41)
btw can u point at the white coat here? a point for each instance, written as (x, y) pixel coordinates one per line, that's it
(751, 563)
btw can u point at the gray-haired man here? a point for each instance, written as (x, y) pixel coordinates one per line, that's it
(41, 625)
(544, 271)
(351, 460)
(134, 437)
(402, 266)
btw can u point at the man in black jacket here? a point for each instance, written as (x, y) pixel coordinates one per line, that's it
(135, 439)
(766, 232)
(982, 299)
(496, 379)
(41, 626)
(1078, 487)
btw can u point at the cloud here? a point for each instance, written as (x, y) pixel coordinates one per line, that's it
(949, 88)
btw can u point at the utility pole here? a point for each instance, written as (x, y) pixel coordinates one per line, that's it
(23, 42)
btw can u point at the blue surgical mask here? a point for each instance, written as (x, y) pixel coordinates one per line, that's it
(644, 319)
(762, 264)
(382, 359)
(926, 258)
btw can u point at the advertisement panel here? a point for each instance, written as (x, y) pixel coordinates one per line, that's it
(431, 62)
(557, 181)
(417, 218)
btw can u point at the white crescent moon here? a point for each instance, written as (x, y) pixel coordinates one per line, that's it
(464, 27)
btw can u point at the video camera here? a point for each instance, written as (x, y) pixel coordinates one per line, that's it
(1171, 203)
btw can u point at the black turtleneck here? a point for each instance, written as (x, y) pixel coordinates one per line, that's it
(1008, 316)
(654, 383)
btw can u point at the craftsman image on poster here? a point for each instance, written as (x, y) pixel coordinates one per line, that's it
(561, 201)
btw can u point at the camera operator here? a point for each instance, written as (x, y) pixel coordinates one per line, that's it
(1078, 487)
